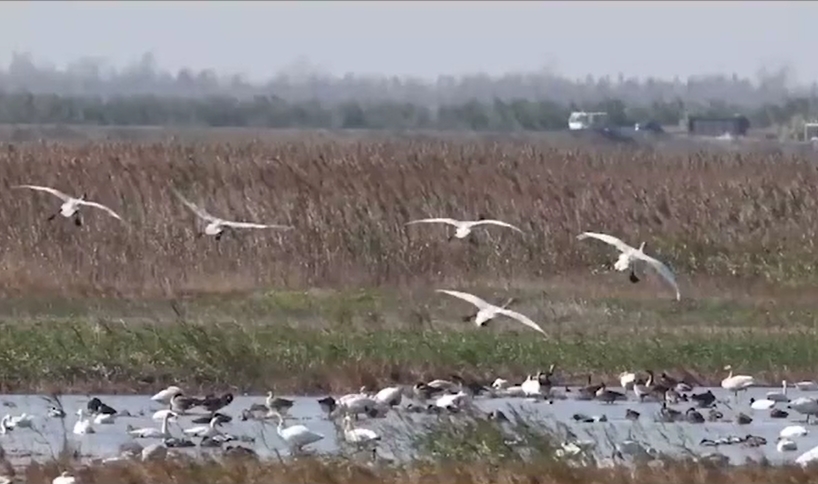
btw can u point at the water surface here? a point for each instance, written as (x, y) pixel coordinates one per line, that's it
(49, 434)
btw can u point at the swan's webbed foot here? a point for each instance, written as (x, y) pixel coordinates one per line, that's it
(52, 217)
(633, 278)
(468, 318)
(77, 220)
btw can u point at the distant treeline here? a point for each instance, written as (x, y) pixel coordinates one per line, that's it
(275, 112)
(303, 82)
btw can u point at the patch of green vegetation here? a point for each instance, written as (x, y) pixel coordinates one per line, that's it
(111, 357)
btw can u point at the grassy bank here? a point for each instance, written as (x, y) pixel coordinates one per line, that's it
(315, 347)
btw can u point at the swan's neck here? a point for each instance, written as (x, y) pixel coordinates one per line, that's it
(730, 375)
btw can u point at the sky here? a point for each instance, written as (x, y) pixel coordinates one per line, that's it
(423, 39)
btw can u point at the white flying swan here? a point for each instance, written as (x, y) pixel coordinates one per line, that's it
(487, 311)
(464, 227)
(629, 255)
(71, 205)
(216, 225)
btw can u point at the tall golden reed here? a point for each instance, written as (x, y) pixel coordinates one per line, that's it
(706, 213)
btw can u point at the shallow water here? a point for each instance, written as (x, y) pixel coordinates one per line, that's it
(47, 437)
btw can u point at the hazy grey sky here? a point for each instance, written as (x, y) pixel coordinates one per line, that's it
(258, 39)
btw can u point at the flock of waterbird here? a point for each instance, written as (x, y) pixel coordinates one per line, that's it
(628, 260)
(450, 397)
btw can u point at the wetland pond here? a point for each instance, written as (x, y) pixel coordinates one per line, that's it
(48, 434)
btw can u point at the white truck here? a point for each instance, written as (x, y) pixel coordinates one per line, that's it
(583, 120)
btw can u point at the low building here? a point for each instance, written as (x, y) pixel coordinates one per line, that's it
(712, 126)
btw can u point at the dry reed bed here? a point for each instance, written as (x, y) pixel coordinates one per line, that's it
(709, 215)
(316, 471)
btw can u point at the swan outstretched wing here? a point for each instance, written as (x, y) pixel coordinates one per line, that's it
(50, 190)
(521, 318)
(481, 304)
(495, 222)
(608, 239)
(250, 225)
(200, 212)
(100, 206)
(449, 221)
(663, 271)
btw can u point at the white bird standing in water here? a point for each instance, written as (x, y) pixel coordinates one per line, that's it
(296, 436)
(83, 425)
(487, 311)
(629, 256)
(71, 206)
(216, 226)
(464, 227)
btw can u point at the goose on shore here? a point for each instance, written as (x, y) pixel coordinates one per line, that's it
(464, 227)
(71, 206)
(629, 256)
(609, 396)
(216, 226)
(486, 311)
